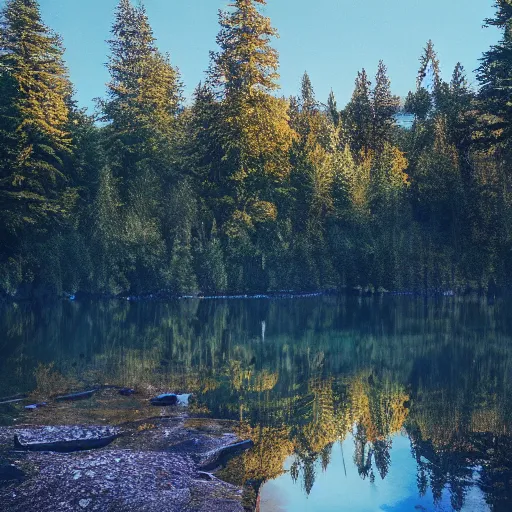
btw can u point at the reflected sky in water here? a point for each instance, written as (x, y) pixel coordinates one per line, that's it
(341, 489)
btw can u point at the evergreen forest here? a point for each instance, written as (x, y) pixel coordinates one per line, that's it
(241, 190)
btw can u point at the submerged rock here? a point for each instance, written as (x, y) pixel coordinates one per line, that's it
(165, 399)
(64, 439)
(83, 395)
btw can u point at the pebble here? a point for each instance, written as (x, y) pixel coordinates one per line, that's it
(84, 503)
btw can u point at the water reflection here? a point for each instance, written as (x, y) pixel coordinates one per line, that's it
(399, 390)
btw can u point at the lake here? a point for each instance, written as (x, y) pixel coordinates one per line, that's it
(354, 404)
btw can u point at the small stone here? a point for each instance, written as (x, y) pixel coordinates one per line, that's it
(84, 503)
(90, 473)
(77, 475)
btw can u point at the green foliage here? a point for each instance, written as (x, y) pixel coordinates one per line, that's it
(244, 191)
(359, 115)
(495, 74)
(34, 118)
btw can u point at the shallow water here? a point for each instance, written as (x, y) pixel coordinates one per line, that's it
(378, 404)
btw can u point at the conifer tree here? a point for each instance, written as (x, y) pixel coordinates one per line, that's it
(255, 135)
(428, 85)
(204, 143)
(436, 183)
(359, 115)
(332, 109)
(308, 100)
(495, 73)
(244, 74)
(418, 103)
(143, 93)
(456, 103)
(311, 156)
(429, 63)
(385, 106)
(34, 116)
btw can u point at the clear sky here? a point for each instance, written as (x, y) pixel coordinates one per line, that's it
(331, 39)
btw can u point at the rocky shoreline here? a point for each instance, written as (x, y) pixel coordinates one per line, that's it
(164, 462)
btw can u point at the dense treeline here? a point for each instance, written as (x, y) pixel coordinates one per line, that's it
(243, 190)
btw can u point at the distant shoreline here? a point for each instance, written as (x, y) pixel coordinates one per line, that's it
(165, 295)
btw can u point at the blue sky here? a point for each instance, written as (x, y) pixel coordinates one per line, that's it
(331, 39)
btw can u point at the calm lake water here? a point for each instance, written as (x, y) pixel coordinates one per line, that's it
(378, 404)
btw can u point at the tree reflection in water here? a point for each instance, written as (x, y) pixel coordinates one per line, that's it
(300, 376)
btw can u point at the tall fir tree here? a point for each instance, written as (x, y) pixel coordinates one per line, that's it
(429, 73)
(244, 74)
(495, 73)
(457, 103)
(332, 109)
(385, 106)
(34, 116)
(144, 94)
(255, 136)
(359, 115)
(308, 100)
(428, 85)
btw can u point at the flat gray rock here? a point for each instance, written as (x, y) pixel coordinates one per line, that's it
(64, 438)
(117, 480)
(149, 470)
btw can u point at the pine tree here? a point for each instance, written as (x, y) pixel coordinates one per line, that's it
(495, 73)
(311, 158)
(308, 100)
(429, 63)
(332, 109)
(255, 138)
(106, 233)
(359, 115)
(460, 114)
(428, 85)
(144, 94)
(204, 140)
(385, 106)
(34, 120)
(436, 184)
(246, 62)
(244, 74)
